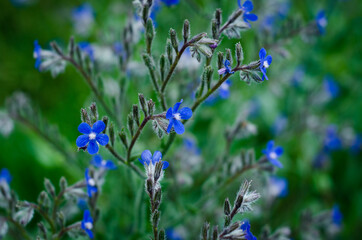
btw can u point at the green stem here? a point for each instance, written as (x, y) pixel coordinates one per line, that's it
(20, 227)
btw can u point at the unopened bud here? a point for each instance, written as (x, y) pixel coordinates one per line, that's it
(63, 184)
(215, 233)
(142, 102)
(161, 235)
(198, 37)
(105, 120)
(49, 187)
(169, 51)
(205, 231)
(155, 218)
(94, 112)
(130, 122)
(227, 207)
(162, 66)
(228, 55)
(111, 133)
(220, 60)
(151, 107)
(84, 116)
(239, 53)
(123, 137)
(174, 41)
(186, 30)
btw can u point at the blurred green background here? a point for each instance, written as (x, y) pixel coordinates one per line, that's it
(338, 53)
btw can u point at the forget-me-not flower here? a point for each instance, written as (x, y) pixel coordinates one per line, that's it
(337, 216)
(147, 159)
(247, 7)
(226, 69)
(5, 176)
(278, 186)
(245, 226)
(83, 19)
(171, 234)
(170, 3)
(331, 140)
(47, 60)
(330, 87)
(175, 115)
(321, 21)
(91, 184)
(87, 49)
(87, 223)
(92, 136)
(224, 90)
(265, 62)
(273, 153)
(98, 162)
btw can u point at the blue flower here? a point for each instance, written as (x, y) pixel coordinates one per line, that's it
(321, 21)
(148, 159)
(5, 176)
(224, 90)
(190, 146)
(101, 163)
(169, 3)
(265, 62)
(278, 186)
(337, 216)
(226, 69)
(37, 54)
(87, 48)
(330, 87)
(87, 223)
(171, 234)
(272, 153)
(331, 139)
(91, 184)
(175, 115)
(247, 7)
(83, 18)
(92, 135)
(82, 204)
(118, 49)
(245, 226)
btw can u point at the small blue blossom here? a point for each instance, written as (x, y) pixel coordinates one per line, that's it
(92, 136)
(321, 21)
(175, 115)
(87, 223)
(226, 69)
(268, 23)
(337, 216)
(83, 18)
(91, 184)
(331, 140)
(190, 146)
(224, 90)
(82, 204)
(5, 176)
(171, 234)
(278, 186)
(147, 159)
(87, 49)
(330, 87)
(98, 162)
(247, 7)
(37, 54)
(245, 226)
(273, 153)
(118, 49)
(170, 3)
(265, 62)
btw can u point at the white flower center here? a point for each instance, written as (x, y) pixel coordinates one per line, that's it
(88, 225)
(177, 116)
(266, 64)
(91, 182)
(224, 86)
(323, 22)
(104, 162)
(92, 136)
(273, 155)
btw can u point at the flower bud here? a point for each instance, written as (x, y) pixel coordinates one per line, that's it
(218, 18)
(186, 30)
(239, 53)
(220, 60)
(161, 235)
(155, 218)
(93, 112)
(63, 184)
(142, 102)
(214, 29)
(111, 133)
(49, 187)
(150, 33)
(174, 41)
(151, 107)
(130, 122)
(162, 66)
(123, 137)
(169, 51)
(136, 114)
(227, 207)
(215, 233)
(205, 231)
(105, 120)
(228, 55)
(84, 116)
(198, 37)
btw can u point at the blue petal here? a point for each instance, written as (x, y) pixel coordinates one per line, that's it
(226, 63)
(82, 140)
(263, 71)
(102, 139)
(141, 161)
(170, 125)
(239, 3)
(185, 113)
(92, 147)
(97, 161)
(169, 113)
(251, 17)
(87, 216)
(110, 165)
(146, 156)
(276, 162)
(279, 151)
(248, 6)
(179, 127)
(262, 54)
(270, 145)
(98, 127)
(84, 128)
(176, 106)
(5, 174)
(165, 164)
(224, 94)
(86, 175)
(269, 59)
(90, 233)
(157, 155)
